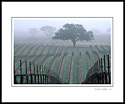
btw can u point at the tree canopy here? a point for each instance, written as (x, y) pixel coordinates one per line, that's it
(48, 30)
(33, 31)
(73, 32)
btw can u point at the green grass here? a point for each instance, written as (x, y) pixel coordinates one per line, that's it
(56, 67)
(34, 50)
(59, 50)
(40, 60)
(46, 50)
(22, 50)
(39, 52)
(76, 67)
(92, 56)
(65, 70)
(65, 50)
(48, 63)
(16, 49)
(19, 51)
(53, 50)
(100, 54)
(34, 57)
(85, 63)
(27, 50)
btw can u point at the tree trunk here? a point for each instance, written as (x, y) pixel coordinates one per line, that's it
(74, 43)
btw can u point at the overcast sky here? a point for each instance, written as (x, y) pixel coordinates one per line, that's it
(23, 24)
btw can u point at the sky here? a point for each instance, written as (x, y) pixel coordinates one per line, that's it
(23, 24)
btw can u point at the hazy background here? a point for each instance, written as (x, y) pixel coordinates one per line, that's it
(99, 26)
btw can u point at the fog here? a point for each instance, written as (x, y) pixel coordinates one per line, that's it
(97, 25)
(28, 30)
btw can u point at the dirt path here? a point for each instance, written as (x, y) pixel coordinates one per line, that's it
(71, 68)
(80, 67)
(54, 61)
(37, 52)
(53, 64)
(18, 47)
(89, 60)
(24, 52)
(94, 53)
(16, 54)
(56, 50)
(60, 74)
(41, 54)
(31, 51)
(63, 61)
(46, 57)
(100, 51)
(105, 51)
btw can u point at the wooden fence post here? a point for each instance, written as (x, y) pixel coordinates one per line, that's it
(44, 79)
(105, 71)
(38, 74)
(15, 82)
(40, 69)
(21, 77)
(31, 72)
(102, 71)
(26, 71)
(98, 70)
(30, 67)
(109, 71)
(43, 69)
(41, 74)
(99, 65)
(47, 80)
(34, 74)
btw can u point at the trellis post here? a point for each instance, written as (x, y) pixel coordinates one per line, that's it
(102, 71)
(105, 71)
(34, 74)
(31, 73)
(26, 71)
(21, 77)
(109, 71)
(38, 74)
(14, 74)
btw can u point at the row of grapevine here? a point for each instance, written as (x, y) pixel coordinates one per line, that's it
(71, 64)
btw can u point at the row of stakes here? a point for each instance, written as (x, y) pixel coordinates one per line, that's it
(35, 74)
(100, 67)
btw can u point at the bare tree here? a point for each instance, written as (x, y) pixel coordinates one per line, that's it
(48, 30)
(33, 31)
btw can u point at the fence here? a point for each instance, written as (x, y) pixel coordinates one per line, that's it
(100, 73)
(34, 75)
